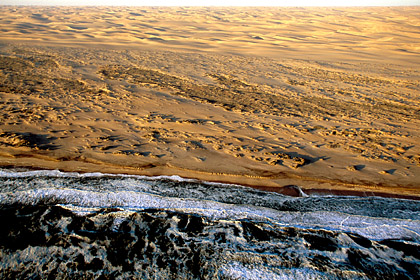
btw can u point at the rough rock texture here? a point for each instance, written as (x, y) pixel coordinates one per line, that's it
(52, 242)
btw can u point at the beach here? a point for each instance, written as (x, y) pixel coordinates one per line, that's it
(311, 97)
(209, 143)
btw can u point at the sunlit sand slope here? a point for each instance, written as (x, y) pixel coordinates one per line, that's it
(385, 34)
(235, 100)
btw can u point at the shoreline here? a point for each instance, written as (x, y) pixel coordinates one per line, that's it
(148, 141)
(293, 189)
(252, 105)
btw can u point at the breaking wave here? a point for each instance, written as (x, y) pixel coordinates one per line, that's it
(100, 226)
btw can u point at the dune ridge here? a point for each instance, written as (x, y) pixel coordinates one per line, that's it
(345, 34)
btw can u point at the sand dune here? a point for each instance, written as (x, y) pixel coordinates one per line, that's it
(320, 98)
(378, 34)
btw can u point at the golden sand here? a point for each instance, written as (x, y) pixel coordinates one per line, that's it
(323, 98)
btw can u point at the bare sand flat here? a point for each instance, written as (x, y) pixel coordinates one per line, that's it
(322, 98)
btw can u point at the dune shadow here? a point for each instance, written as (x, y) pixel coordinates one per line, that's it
(390, 171)
(28, 139)
(308, 159)
(359, 167)
(76, 27)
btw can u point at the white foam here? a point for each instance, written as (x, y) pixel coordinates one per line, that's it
(133, 194)
(10, 173)
(236, 270)
(370, 227)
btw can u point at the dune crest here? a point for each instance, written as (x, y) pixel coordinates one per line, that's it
(347, 34)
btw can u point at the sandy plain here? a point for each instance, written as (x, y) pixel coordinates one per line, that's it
(327, 99)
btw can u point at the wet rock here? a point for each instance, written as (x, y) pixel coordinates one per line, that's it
(52, 242)
(254, 232)
(322, 240)
(362, 241)
(367, 263)
(407, 247)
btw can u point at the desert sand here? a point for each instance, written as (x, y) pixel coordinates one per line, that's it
(322, 98)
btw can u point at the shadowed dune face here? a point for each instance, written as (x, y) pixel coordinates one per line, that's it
(368, 34)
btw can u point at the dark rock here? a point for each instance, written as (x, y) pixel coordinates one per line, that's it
(322, 240)
(253, 231)
(162, 244)
(403, 246)
(374, 268)
(362, 241)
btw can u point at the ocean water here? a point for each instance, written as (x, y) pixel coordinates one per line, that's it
(103, 226)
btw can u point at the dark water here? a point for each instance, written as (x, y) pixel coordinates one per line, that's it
(96, 226)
